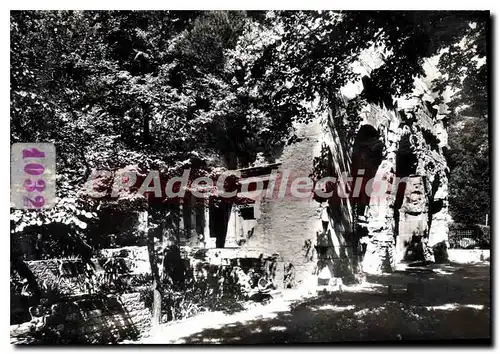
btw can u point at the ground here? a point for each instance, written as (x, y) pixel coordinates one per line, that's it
(440, 302)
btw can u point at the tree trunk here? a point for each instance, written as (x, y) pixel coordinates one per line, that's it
(156, 313)
(146, 136)
(24, 271)
(156, 287)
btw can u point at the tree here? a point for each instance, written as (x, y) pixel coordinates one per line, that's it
(466, 73)
(104, 87)
(468, 159)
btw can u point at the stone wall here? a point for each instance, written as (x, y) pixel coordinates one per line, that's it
(288, 225)
(87, 319)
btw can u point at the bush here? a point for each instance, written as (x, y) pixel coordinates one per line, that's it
(207, 288)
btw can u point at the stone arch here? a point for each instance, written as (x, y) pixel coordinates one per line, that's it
(367, 155)
(406, 165)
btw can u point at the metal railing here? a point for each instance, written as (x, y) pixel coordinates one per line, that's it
(464, 239)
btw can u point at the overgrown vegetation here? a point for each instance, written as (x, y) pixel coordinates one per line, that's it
(155, 89)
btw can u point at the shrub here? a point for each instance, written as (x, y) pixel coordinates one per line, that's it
(207, 288)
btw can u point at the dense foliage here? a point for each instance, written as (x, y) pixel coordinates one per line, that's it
(466, 68)
(120, 88)
(469, 162)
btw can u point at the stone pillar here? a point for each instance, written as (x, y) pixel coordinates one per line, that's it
(241, 233)
(440, 219)
(206, 224)
(414, 214)
(194, 211)
(231, 233)
(380, 221)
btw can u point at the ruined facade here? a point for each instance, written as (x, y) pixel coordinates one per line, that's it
(397, 140)
(389, 139)
(412, 131)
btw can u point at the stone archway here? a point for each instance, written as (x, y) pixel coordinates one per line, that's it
(367, 155)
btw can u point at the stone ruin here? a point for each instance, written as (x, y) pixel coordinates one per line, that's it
(389, 138)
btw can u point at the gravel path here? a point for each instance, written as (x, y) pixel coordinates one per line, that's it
(444, 302)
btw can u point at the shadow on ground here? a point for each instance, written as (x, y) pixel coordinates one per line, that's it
(451, 302)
